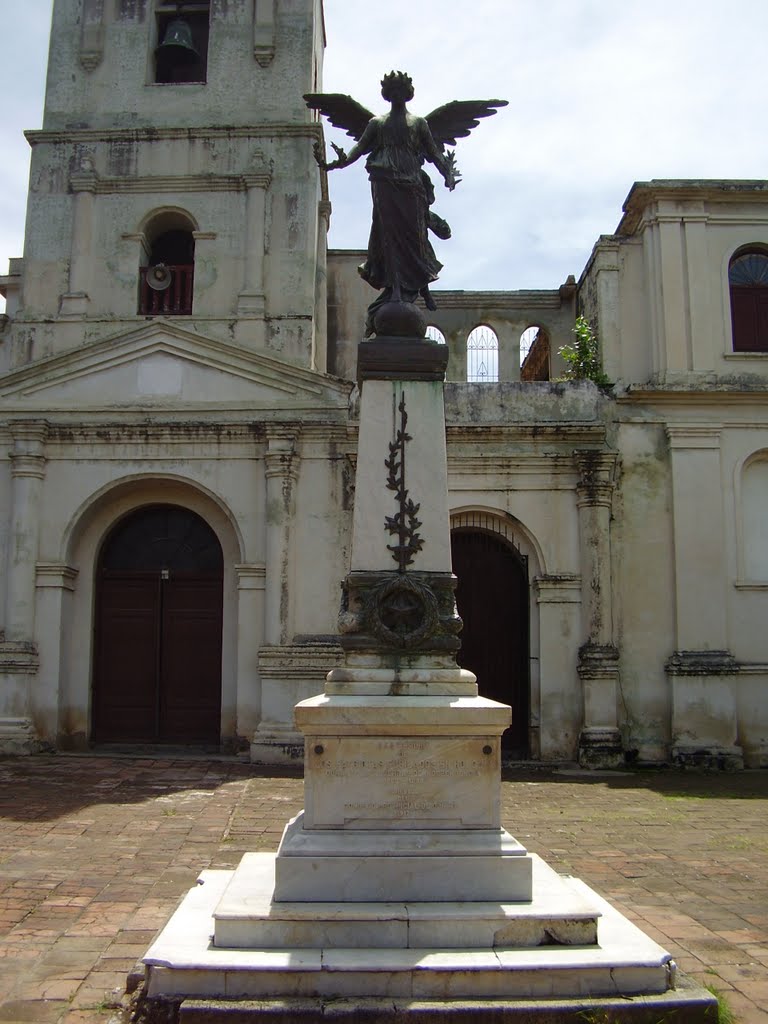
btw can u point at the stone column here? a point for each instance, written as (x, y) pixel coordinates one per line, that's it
(281, 468)
(18, 652)
(702, 670)
(251, 302)
(509, 354)
(74, 302)
(600, 740)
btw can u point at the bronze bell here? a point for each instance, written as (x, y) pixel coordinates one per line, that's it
(177, 43)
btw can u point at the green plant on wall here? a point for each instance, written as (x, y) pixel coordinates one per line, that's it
(582, 357)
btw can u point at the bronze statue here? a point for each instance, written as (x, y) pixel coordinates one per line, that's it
(401, 262)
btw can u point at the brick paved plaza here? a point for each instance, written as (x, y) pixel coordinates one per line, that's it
(96, 851)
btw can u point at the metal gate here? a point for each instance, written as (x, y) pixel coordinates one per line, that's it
(492, 599)
(157, 657)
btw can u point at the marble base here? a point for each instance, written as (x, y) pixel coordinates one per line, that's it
(416, 864)
(183, 961)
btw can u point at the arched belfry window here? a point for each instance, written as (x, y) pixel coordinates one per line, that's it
(482, 356)
(748, 285)
(166, 281)
(181, 54)
(534, 354)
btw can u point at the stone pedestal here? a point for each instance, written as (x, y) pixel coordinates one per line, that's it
(398, 880)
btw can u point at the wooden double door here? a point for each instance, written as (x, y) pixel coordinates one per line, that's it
(157, 657)
(492, 600)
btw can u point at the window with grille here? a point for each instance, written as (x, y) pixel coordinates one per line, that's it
(482, 356)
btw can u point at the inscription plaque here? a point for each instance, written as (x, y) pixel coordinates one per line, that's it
(410, 782)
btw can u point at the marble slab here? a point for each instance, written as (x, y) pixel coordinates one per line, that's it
(424, 468)
(357, 782)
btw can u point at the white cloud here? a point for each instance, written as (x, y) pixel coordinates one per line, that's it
(601, 93)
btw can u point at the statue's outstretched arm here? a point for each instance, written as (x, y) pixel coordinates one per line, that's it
(345, 159)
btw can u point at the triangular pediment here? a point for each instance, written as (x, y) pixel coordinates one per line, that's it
(160, 364)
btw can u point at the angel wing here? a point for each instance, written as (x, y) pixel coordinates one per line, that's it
(342, 111)
(456, 120)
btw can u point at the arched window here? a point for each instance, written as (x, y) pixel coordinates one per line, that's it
(166, 283)
(748, 284)
(435, 334)
(534, 354)
(754, 496)
(482, 356)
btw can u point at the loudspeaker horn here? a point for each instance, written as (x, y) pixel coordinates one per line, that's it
(159, 277)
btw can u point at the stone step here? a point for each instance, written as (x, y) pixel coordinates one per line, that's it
(183, 963)
(247, 916)
(688, 1004)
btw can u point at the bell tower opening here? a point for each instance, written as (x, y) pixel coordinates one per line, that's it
(181, 55)
(166, 283)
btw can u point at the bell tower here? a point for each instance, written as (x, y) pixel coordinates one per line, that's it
(174, 177)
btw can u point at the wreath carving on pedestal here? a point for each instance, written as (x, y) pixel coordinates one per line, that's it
(402, 612)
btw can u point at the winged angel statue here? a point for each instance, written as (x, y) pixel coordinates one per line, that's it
(401, 262)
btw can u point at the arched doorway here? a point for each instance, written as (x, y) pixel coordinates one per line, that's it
(492, 599)
(157, 652)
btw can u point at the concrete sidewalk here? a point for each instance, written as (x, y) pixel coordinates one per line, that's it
(95, 852)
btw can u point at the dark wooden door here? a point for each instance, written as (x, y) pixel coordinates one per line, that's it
(157, 658)
(492, 599)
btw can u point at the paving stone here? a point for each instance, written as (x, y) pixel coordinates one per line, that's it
(96, 851)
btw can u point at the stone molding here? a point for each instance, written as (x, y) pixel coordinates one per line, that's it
(598, 661)
(702, 663)
(273, 130)
(27, 457)
(298, 662)
(562, 588)
(698, 436)
(159, 183)
(19, 657)
(251, 576)
(56, 575)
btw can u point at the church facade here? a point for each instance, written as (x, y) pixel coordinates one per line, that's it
(178, 412)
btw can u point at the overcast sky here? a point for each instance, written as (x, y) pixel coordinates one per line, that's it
(601, 93)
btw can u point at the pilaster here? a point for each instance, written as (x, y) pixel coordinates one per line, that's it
(19, 659)
(281, 469)
(251, 300)
(264, 32)
(92, 34)
(74, 302)
(600, 740)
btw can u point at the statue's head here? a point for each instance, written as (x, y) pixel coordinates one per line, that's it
(397, 85)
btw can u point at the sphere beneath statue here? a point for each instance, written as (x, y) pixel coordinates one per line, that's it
(399, 320)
